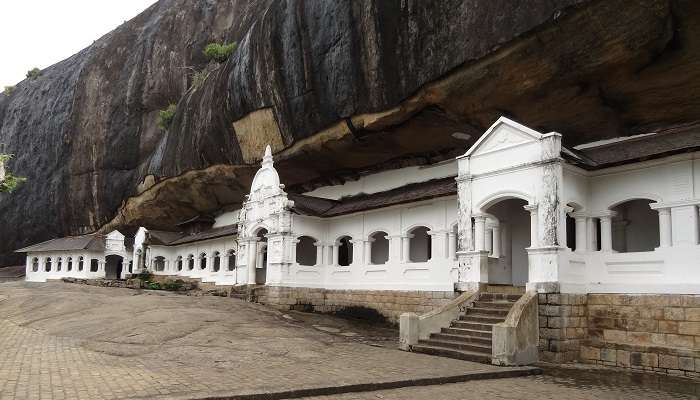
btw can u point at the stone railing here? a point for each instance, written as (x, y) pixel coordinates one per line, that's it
(414, 327)
(515, 340)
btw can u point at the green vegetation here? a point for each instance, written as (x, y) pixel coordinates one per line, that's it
(165, 117)
(173, 286)
(199, 78)
(219, 52)
(10, 182)
(33, 73)
(8, 90)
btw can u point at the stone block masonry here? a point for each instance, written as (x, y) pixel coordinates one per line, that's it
(656, 333)
(386, 304)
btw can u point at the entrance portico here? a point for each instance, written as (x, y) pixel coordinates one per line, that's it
(510, 162)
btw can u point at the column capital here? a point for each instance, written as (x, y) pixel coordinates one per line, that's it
(606, 214)
(530, 207)
(579, 214)
(437, 232)
(479, 217)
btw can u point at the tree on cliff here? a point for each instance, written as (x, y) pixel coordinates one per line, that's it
(8, 182)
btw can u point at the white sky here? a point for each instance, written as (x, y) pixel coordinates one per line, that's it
(40, 33)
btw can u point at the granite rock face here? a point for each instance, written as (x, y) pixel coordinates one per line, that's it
(338, 88)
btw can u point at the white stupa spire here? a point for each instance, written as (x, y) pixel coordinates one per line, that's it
(267, 158)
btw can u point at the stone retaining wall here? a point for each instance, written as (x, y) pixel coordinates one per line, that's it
(390, 304)
(658, 333)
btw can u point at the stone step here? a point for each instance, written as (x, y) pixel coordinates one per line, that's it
(484, 339)
(505, 305)
(476, 348)
(483, 319)
(479, 333)
(471, 325)
(499, 296)
(505, 289)
(499, 312)
(452, 353)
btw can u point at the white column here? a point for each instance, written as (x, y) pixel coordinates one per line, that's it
(664, 227)
(534, 231)
(581, 221)
(334, 254)
(395, 250)
(319, 253)
(406, 248)
(452, 243)
(251, 248)
(592, 235)
(488, 240)
(496, 249)
(367, 253)
(479, 233)
(606, 233)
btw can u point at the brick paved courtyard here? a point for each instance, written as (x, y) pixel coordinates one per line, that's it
(62, 341)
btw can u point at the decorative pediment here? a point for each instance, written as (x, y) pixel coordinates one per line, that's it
(503, 134)
(114, 241)
(266, 182)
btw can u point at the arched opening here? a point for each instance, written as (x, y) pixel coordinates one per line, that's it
(419, 244)
(47, 264)
(159, 263)
(190, 262)
(114, 266)
(231, 260)
(131, 266)
(81, 263)
(345, 251)
(69, 264)
(178, 263)
(59, 264)
(35, 264)
(94, 265)
(635, 227)
(571, 226)
(306, 251)
(203, 261)
(261, 258)
(379, 248)
(216, 263)
(511, 267)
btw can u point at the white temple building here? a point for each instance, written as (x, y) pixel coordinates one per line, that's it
(517, 209)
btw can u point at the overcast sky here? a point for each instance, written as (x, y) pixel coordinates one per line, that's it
(39, 33)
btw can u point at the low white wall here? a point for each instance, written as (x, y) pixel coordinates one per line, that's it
(41, 275)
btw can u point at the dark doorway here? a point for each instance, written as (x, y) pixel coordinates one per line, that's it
(113, 266)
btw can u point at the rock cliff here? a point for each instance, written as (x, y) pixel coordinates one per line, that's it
(338, 88)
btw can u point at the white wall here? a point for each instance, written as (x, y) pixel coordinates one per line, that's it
(41, 275)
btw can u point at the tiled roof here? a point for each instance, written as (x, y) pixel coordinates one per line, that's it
(163, 238)
(213, 233)
(315, 206)
(92, 242)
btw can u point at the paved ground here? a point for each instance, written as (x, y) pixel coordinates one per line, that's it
(63, 341)
(568, 385)
(66, 341)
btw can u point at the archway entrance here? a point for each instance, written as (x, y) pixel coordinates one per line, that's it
(507, 238)
(113, 266)
(261, 258)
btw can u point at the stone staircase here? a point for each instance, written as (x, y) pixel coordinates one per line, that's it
(469, 337)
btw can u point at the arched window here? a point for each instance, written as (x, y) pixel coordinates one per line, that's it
(379, 248)
(159, 263)
(69, 264)
(203, 261)
(419, 244)
(635, 227)
(231, 260)
(179, 263)
(59, 264)
(217, 261)
(47, 264)
(94, 264)
(131, 266)
(35, 264)
(306, 250)
(80, 263)
(190, 262)
(344, 251)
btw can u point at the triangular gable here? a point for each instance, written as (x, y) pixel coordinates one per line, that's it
(502, 134)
